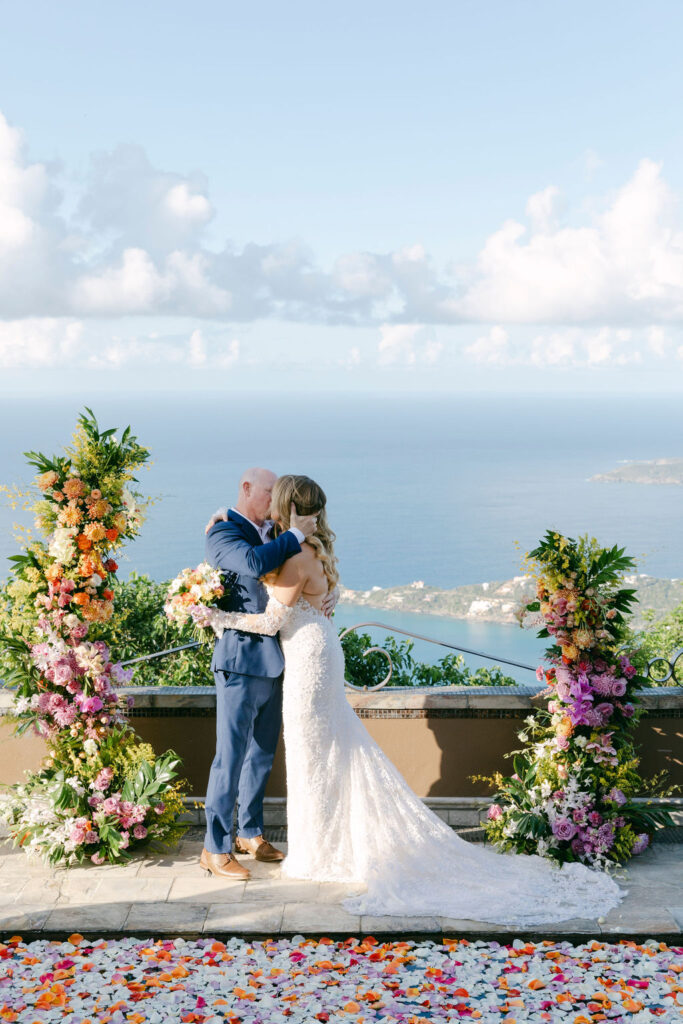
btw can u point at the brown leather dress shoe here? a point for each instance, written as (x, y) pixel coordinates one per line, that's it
(260, 847)
(223, 865)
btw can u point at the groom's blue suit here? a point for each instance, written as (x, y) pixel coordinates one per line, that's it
(247, 669)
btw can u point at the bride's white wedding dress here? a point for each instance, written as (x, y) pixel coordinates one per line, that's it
(351, 817)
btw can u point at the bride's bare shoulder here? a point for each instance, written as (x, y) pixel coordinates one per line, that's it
(296, 567)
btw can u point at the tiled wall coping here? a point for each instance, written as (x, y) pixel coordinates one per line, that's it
(394, 697)
(492, 697)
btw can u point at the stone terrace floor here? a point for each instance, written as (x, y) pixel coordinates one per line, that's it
(170, 895)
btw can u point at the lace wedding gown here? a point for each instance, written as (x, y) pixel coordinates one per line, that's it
(351, 817)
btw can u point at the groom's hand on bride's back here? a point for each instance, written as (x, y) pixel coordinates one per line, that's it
(219, 516)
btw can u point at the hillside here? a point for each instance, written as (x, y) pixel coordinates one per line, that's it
(496, 601)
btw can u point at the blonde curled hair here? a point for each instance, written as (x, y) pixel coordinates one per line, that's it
(309, 499)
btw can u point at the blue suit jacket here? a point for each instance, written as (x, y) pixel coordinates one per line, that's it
(236, 548)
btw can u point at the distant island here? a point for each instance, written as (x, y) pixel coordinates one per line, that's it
(497, 601)
(653, 471)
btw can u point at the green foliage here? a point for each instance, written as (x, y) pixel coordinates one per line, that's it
(664, 639)
(139, 626)
(363, 669)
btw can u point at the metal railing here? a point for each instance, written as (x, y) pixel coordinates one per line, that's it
(370, 650)
(674, 664)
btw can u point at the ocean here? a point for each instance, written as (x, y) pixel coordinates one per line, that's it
(445, 489)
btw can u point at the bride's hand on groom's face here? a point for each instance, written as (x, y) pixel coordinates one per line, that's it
(220, 516)
(307, 524)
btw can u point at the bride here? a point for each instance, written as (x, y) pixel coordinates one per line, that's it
(351, 817)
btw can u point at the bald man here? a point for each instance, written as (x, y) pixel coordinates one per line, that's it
(247, 670)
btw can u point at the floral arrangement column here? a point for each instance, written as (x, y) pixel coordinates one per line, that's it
(570, 796)
(100, 792)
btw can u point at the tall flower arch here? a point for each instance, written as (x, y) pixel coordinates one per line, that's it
(100, 792)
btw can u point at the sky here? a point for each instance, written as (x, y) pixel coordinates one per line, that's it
(370, 196)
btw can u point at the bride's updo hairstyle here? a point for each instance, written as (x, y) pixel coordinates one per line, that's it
(309, 499)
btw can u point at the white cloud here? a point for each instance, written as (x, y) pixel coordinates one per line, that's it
(555, 349)
(541, 209)
(490, 348)
(352, 359)
(627, 266)
(215, 353)
(137, 245)
(566, 347)
(39, 342)
(407, 344)
(197, 347)
(658, 341)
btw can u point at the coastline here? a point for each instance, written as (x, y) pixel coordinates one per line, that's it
(496, 601)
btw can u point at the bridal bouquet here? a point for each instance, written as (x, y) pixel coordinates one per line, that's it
(190, 591)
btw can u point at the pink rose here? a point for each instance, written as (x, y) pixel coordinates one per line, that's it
(494, 812)
(103, 781)
(139, 831)
(97, 858)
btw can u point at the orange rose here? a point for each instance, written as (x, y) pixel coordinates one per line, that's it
(87, 566)
(108, 595)
(110, 565)
(565, 727)
(83, 543)
(80, 598)
(112, 534)
(54, 572)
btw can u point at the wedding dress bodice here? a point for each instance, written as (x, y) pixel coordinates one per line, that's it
(352, 817)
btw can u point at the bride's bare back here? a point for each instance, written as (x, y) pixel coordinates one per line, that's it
(302, 576)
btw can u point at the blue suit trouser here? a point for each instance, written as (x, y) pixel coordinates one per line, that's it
(248, 722)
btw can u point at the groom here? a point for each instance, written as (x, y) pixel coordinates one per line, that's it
(247, 670)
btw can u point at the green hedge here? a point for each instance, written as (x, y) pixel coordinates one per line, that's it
(139, 627)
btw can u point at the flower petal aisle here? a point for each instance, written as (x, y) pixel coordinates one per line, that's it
(297, 980)
(100, 792)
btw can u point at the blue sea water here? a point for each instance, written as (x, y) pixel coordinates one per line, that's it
(437, 488)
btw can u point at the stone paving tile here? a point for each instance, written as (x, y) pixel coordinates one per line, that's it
(454, 926)
(101, 918)
(203, 889)
(24, 916)
(244, 917)
(282, 890)
(91, 873)
(335, 892)
(37, 891)
(639, 919)
(151, 918)
(150, 890)
(580, 925)
(371, 924)
(318, 917)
